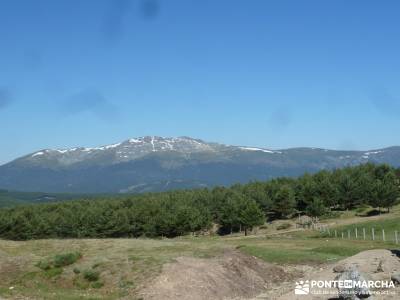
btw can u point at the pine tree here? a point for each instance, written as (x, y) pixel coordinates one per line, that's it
(250, 214)
(284, 201)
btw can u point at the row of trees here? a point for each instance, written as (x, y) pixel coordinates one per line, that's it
(175, 213)
(165, 214)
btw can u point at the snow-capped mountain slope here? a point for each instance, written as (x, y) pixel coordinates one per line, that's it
(154, 163)
(133, 149)
(122, 152)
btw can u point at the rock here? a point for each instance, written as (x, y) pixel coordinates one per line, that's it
(339, 268)
(380, 267)
(396, 278)
(352, 292)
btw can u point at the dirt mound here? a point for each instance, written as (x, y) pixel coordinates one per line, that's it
(376, 265)
(237, 276)
(230, 276)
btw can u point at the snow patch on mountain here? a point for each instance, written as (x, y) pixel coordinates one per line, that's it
(101, 148)
(373, 152)
(38, 153)
(367, 155)
(138, 147)
(152, 144)
(134, 141)
(258, 149)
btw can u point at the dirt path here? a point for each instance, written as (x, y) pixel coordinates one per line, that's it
(285, 231)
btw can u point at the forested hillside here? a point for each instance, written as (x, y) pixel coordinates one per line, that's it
(175, 213)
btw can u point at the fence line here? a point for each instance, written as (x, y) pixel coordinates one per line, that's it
(354, 233)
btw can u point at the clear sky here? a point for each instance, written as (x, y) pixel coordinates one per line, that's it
(265, 73)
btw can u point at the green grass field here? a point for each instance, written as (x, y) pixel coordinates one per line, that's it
(350, 223)
(390, 226)
(115, 268)
(124, 265)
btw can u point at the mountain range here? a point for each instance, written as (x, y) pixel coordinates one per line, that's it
(154, 163)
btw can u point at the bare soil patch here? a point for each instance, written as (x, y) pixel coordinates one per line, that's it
(231, 276)
(234, 275)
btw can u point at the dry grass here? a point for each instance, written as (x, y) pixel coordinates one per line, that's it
(126, 265)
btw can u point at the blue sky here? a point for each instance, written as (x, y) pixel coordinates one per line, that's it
(276, 74)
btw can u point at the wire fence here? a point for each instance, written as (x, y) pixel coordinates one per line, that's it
(362, 233)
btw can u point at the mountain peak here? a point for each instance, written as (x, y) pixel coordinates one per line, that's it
(154, 163)
(127, 150)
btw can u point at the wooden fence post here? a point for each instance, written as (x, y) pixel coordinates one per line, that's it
(395, 237)
(335, 233)
(342, 235)
(373, 234)
(356, 233)
(383, 235)
(364, 233)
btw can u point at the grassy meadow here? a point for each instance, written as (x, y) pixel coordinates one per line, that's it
(118, 268)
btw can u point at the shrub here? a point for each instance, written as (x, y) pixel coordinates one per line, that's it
(54, 266)
(62, 260)
(76, 271)
(91, 275)
(44, 265)
(283, 226)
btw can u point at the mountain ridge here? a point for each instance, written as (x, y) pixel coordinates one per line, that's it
(153, 163)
